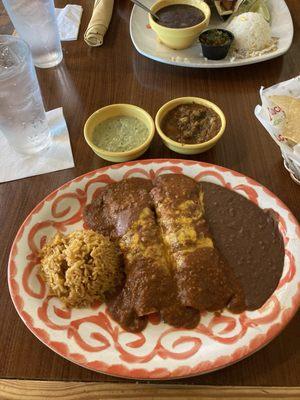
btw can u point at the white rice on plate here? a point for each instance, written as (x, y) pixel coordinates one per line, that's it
(252, 35)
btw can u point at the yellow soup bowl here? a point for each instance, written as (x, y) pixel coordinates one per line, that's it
(117, 110)
(179, 38)
(182, 148)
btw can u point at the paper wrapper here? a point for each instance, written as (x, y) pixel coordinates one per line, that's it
(99, 22)
(273, 118)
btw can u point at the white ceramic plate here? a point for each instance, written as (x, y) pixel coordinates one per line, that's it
(90, 338)
(144, 40)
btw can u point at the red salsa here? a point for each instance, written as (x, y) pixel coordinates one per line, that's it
(191, 123)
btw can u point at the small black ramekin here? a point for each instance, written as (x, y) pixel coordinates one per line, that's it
(216, 52)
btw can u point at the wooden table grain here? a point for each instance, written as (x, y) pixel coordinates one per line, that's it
(89, 78)
(23, 390)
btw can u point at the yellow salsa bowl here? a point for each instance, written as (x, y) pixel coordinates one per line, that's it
(183, 148)
(117, 110)
(179, 38)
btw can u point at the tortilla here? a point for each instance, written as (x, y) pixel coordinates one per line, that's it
(292, 123)
(283, 102)
(291, 107)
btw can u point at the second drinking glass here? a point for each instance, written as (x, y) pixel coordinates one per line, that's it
(35, 22)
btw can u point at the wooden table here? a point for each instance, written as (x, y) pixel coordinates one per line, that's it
(89, 78)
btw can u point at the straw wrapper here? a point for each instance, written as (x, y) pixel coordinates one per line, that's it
(99, 22)
(275, 120)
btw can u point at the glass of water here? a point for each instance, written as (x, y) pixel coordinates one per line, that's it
(35, 22)
(22, 114)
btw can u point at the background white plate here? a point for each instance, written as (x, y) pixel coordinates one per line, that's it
(144, 40)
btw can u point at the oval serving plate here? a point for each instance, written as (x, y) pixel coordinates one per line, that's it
(88, 337)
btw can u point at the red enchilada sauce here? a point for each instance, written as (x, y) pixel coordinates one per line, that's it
(124, 211)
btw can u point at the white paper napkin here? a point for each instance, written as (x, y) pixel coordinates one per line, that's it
(57, 157)
(68, 21)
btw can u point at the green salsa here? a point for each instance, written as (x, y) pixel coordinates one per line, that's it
(120, 134)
